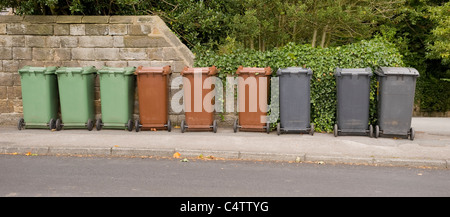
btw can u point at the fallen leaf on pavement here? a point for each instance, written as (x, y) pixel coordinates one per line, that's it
(176, 155)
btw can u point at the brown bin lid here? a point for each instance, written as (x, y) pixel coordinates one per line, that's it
(205, 70)
(146, 70)
(266, 70)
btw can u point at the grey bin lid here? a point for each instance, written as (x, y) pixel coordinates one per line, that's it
(353, 71)
(386, 71)
(290, 70)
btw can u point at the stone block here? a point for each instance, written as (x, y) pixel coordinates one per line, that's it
(69, 19)
(83, 54)
(42, 41)
(2, 28)
(39, 19)
(116, 63)
(68, 41)
(122, 19)
(95, 19)
(5, 53)
(6, 79)
(118, 41)
(139, 29)
(12, 41)
(22, 53)
(97, 29)
(3, 92)
(6, 106)
(61, 29)
(62, 54)
(145, 41)
(11, 19)
(42, 54)
(133, 54)
(95, 41)
(118, 29)
(77, 29)
(106, 53)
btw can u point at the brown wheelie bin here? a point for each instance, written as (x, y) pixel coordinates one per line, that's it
(252, 117)
(197, 117)
(153, 98)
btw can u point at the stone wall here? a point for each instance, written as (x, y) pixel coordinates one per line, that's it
(114, 41)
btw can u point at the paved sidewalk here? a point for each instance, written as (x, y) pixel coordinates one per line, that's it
(431, 147)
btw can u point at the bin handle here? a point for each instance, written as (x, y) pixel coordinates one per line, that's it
(267, 70)
(166, 70)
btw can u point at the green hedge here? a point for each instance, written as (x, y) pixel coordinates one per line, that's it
(323, 61)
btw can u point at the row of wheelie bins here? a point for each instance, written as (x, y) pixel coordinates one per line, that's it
(75, 87)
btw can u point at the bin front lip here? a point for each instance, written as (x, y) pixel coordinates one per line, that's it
(45, 70)
(294, 70)
(204, 70)
(116, 70)
(386, 71)
(352, 71)
(254, 70)
(166, 70)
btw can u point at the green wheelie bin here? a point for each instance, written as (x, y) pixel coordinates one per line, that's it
(117, 87)
(76, 95)
(39, 97)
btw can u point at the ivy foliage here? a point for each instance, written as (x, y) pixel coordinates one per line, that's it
(323, 61)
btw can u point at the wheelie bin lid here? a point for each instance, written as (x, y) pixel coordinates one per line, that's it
(33, 69)
(204, 70)
(79, 70)
(352, 71)
(165, 70)
(254, 70)
(386, 71)
(290, 70)
(117, 70)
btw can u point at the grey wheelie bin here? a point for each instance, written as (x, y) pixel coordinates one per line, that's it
(396, 88)
(294, 96)
(353, 95)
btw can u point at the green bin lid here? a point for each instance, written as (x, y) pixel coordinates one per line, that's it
(80, 70)
(33, 69)
(353, 71)
(386, 71)
(117, 70)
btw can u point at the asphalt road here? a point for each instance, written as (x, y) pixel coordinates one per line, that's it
(52, 176)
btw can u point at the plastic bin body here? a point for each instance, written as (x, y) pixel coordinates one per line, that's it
(353, 100)
(396, 99)
(39, 96)
(117, 86)
(196, 119)
(76, 91)
(294, 99)
(249, 119)
(153, 96)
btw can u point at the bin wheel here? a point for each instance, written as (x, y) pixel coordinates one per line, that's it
(215, 126)
(58, 125)
(20, 124)
(130, 125)
(377, 131)
(268, 127)
(370, 131)
(98, 124)
(182, 126)
(52, 124)
(335, 130)
(90, 124)
(136, 125)
(311, 131)
(169, 126)
(235, 125)
(278, 129)
(411, 133)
